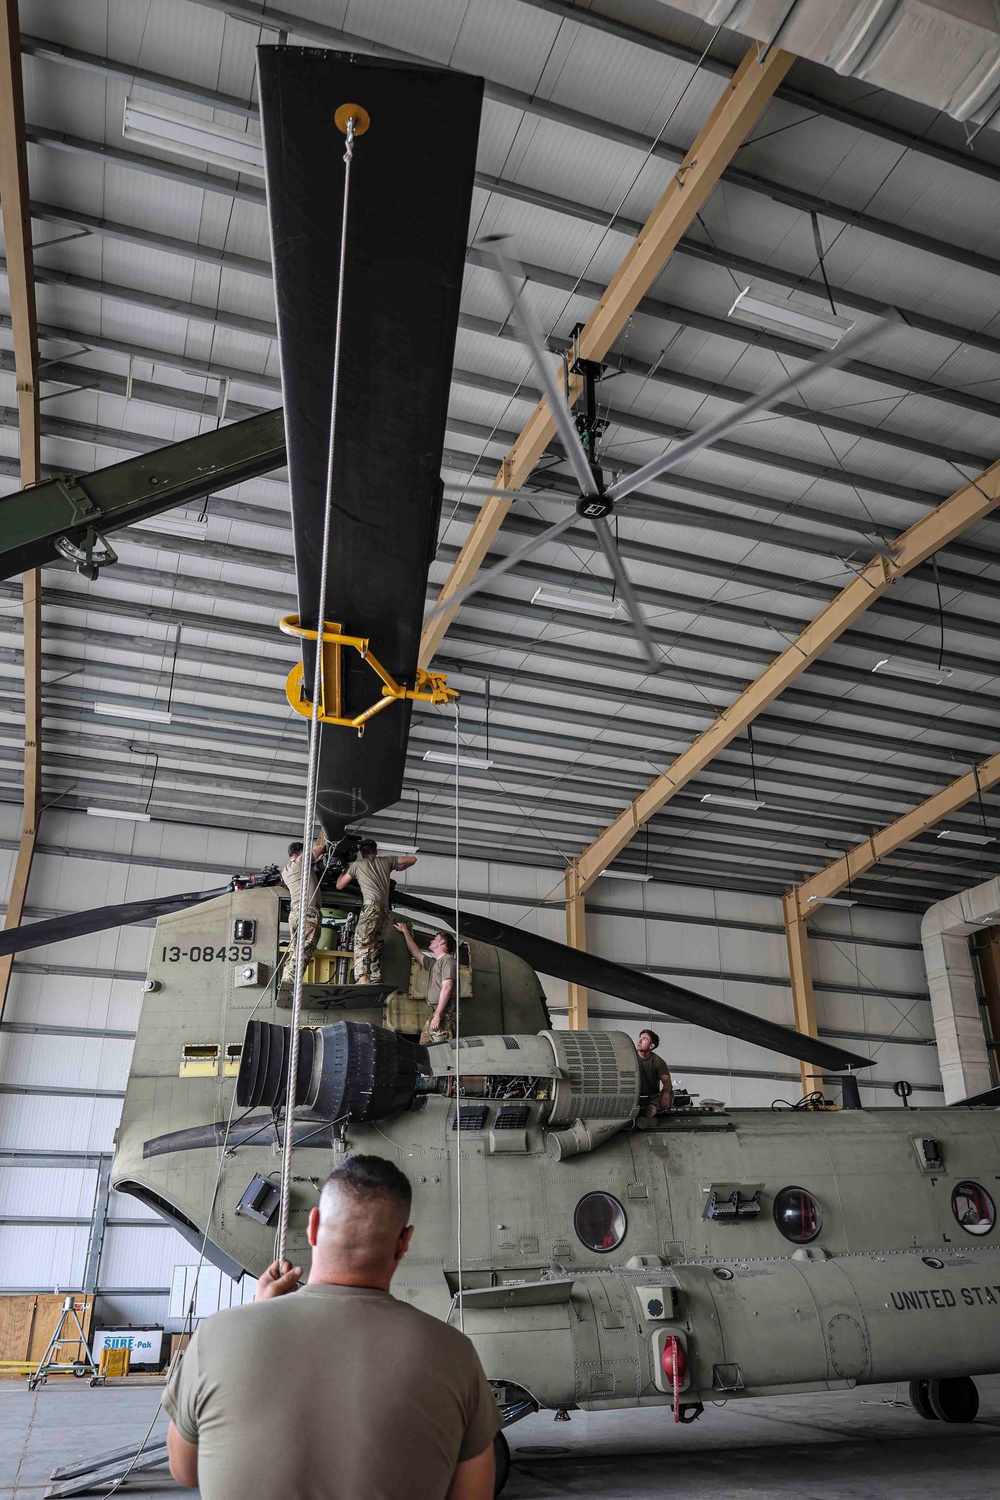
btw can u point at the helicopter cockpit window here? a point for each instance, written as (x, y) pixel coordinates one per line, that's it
(797, 1215)
(973, 1208)
(600, 1222)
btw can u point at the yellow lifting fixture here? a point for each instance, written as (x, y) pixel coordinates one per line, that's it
(430, 687)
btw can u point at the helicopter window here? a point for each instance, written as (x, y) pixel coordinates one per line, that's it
(973, 1208)
(797, 1215)
(600, 1222)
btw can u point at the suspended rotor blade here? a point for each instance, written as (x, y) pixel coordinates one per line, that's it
(582, 471)
(711, 433)
(482, 579)
(99, 919)
(624, 582)
(659, 995)
(988, 1100)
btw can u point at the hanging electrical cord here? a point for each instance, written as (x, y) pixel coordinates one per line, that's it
(940, 604)
(312, 771)
(753, 763)
(458, 1024)
(818, 243)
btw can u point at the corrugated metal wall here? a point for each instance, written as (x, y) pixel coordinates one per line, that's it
(66, 1037)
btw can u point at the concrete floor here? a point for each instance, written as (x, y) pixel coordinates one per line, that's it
(847, 1445)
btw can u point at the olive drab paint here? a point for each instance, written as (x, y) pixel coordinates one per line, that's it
(896, 1275)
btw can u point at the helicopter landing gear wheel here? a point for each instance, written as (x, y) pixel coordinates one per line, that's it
(920, 1401)
(954, 1400)
(501, 1461)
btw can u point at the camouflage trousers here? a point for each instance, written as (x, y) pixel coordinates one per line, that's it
(368, 937)
(310, 936)
(443, 1033)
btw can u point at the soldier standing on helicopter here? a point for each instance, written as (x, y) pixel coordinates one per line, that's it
(372, 872)
(312, 917)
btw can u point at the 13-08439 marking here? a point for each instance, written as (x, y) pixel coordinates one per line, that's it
(236, 953)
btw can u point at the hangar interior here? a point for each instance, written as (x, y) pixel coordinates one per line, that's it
(865, 193)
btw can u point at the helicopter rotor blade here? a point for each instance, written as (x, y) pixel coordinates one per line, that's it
(762, 401)
(565, 425)
(662, 996)
(99, 919)
(624, 582)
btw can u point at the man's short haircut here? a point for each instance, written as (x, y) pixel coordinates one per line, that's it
(652, 1036)
(363, 1177)
(367, 847)
(448, 940)
(294, 849)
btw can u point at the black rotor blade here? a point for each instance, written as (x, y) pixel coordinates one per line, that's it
(660, 995)
(99, 919)
(988, 1100)
(624, 582)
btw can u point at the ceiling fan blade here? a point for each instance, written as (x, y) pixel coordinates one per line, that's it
(99, 919)
(659, 995)
(711, 433)
(565, 425)
(482, 579)
(624, 583)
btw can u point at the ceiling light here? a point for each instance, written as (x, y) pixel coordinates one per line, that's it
(725, 801)
(133, 711)
(832, 901)
(117, 812)
(449, 758)
(585, 604)
(396, 848)
(917, 671)
(797, 319)
(966, 838)
(177, 526)
(184, 135)
(624, 875)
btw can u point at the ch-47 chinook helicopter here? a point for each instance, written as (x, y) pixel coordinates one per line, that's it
(713, 1253)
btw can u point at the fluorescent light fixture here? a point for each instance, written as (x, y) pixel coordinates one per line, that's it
(917, 671)
(449, 758)
(585, 604)
(117, 812)
(962, 837)
(724, 801)
(831, 901)
(169, 130)
(136, 711)
(177, 526)
(824, 330)
(396, 848)
(623, 875)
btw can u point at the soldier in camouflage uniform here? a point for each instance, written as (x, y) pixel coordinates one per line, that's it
(312, 916)
(372, 871)
(442, 968)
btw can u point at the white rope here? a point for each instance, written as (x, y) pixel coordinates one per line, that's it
(312, 772)
(458, 1030)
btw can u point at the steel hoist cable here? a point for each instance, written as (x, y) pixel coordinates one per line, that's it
(458, 1029)
(312, 772)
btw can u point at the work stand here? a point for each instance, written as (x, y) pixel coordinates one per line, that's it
(51, 1363)
(96, 1473)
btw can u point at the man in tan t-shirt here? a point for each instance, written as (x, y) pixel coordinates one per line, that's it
(338, 1392)
(656, 1084)
(442, 968)
(312, 921)
(372, 871)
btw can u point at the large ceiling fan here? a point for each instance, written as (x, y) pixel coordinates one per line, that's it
(598, 501)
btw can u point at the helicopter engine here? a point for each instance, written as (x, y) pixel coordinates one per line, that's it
(582, 1087)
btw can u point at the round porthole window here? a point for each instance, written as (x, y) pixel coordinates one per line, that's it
(973, 1208)
(600, 1222)
(797, 1215)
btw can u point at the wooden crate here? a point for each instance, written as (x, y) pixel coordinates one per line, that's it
(28, 1320)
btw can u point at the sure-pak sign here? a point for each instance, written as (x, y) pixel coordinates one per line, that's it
(143, 1344)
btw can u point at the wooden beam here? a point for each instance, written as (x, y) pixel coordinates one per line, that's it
(576, 936)
(961, 510)
(21, 287)
(837, 875)
(743, 101)
(800, 974)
